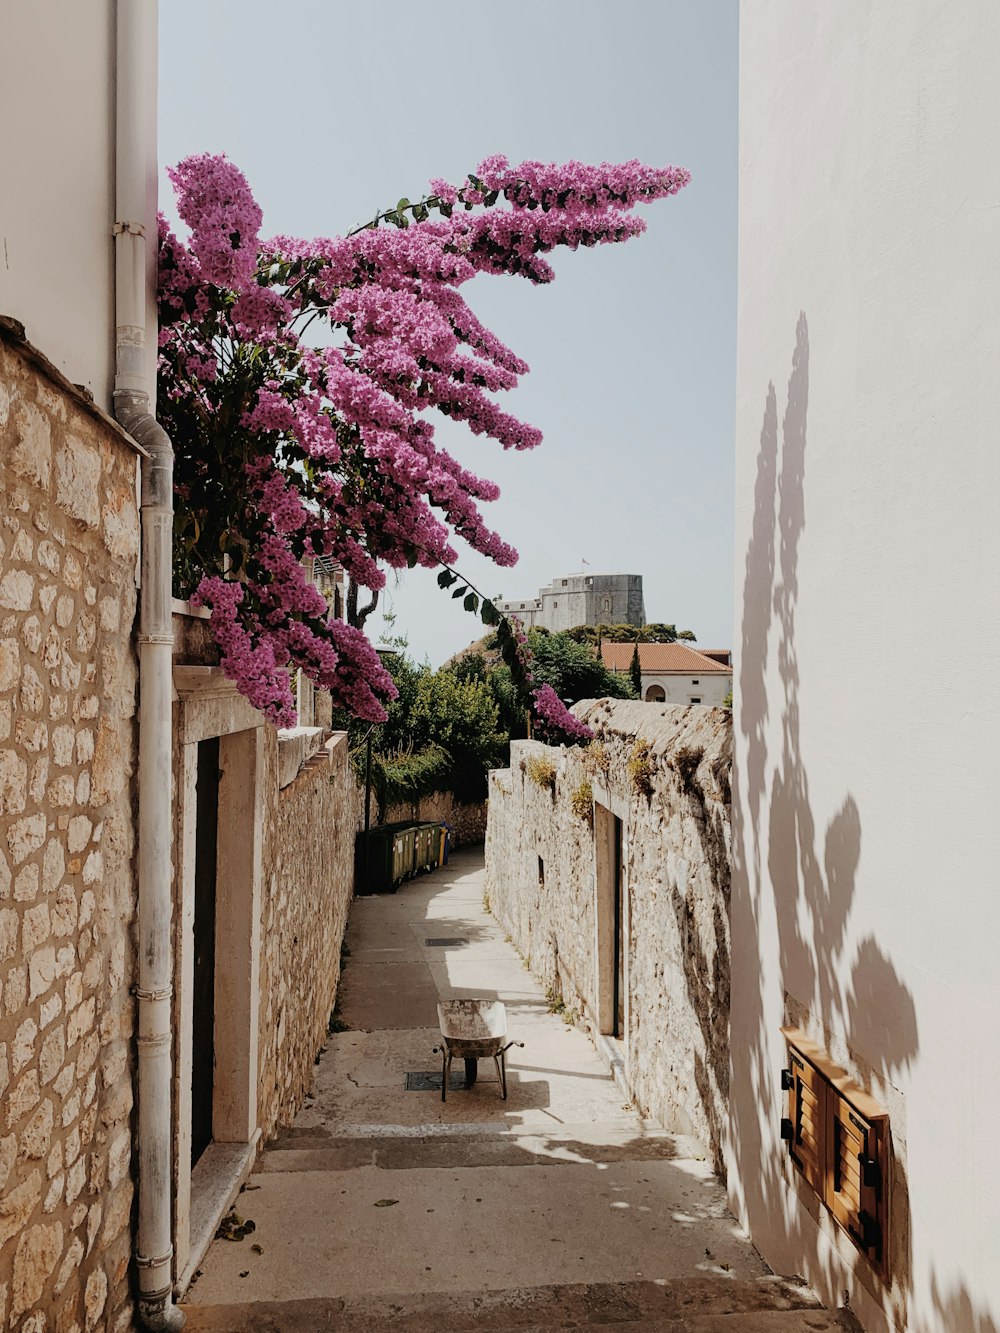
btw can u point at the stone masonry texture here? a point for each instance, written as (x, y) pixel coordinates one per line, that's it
(69, 537)
(308, 883)
(666, 772)
(467, 822)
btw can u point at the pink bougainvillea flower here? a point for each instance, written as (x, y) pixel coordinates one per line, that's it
(300, 381)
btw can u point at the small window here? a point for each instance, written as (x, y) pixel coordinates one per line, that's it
(695, 699)
(696, 682)
(554, 605)
(565, 582)
(541, 873)
(838, 1139)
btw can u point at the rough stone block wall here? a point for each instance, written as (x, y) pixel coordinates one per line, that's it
(68, 546)
(307, 891)
(468, 822)
(666, 770)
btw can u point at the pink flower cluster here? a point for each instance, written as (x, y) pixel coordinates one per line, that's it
(290, 447)
(553, 719)
(214, 199)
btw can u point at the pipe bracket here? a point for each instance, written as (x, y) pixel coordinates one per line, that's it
(155, 638)
(151, 1043)
(142, 1262)
(165, 993)
(128, 228)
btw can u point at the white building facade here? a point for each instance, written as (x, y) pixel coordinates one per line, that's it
(672, 673)
(865, 906)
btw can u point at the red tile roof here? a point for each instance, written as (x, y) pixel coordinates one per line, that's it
(661, 659)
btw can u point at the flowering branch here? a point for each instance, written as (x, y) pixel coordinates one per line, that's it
(288, 449)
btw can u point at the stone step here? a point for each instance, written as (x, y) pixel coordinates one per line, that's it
(679, 1305)
(314, 1152)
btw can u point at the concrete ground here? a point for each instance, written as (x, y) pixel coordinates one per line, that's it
(384, 1208)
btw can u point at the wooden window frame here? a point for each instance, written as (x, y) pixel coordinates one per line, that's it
(838, 1141)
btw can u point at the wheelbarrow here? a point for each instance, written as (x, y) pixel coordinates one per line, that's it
(473, 1030)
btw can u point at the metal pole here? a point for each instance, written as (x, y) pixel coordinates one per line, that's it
(368, 781)
(368, 808)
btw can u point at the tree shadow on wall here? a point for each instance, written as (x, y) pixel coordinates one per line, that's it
(707, 975)
(794, 885)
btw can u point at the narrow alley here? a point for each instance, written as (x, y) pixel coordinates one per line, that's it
(385, 1208)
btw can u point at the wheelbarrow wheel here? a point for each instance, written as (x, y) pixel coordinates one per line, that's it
(471, 1070)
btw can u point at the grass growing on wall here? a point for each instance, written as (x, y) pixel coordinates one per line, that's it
(597, 759)
(640, 767)
(541, 771)
(582, 801)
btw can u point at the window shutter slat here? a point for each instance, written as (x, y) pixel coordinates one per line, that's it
(805, 1101)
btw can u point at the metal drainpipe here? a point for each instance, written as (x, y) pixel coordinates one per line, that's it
(135, 66)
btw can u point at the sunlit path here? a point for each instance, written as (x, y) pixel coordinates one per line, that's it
(386, 1207)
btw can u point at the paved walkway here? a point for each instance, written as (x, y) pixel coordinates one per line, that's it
(384, 1208)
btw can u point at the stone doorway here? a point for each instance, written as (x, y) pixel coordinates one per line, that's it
(203, 980)
(219, 759)
(612, 921)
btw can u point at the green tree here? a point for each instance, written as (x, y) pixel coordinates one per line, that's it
(443, 733)
(635, 670)
(496, 674)
(655, 632)
(574, 670)
(461, 717)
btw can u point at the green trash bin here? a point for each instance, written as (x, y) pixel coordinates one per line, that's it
(433, 846)
(423, 847)
(375, 862)
(404, 850)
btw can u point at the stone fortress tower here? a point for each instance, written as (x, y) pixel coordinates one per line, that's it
(582, 599)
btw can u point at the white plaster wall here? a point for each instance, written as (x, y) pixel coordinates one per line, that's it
(711, 689)
(867, 841)
(57, 96)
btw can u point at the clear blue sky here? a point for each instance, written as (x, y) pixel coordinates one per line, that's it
(334, 109)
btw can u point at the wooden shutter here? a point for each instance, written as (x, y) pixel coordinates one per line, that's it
(855, 1178)
(838, 1137)
(807, 1112)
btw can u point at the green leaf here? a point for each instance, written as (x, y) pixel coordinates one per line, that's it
(488, 613)
(471, 603)
(403, 203)
(460, 592)
(446, 578)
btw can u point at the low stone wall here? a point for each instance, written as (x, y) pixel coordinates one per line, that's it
(664, 772)
(68, 546)
(468, 822)
(308, 883)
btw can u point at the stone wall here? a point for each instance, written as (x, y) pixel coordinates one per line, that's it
(307, 891)
(468, 822)
(664, 771)
(68, 547)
